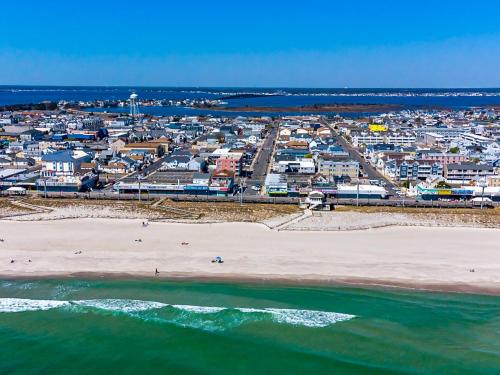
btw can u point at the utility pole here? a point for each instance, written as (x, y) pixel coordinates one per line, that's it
(139, 179)
(242, 189)
(482, 184)
(357, 194)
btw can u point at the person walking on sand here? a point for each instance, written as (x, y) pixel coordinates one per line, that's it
(156, 272)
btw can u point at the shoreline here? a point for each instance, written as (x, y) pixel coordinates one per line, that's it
(273, 280)
(409, 258)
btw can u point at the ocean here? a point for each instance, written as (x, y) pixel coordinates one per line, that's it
(289, 97)
(164, 327)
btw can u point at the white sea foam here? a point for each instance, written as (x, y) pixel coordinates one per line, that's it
(120, 305)
(307, 318)
(10, 305)
(200, 309)
(251, 310)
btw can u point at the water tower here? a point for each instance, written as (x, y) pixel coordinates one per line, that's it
(134, 107)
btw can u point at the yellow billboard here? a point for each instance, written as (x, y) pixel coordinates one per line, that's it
(375, 128)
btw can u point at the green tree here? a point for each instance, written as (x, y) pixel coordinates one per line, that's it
(220, 138)
(442, 185)
(455, 150)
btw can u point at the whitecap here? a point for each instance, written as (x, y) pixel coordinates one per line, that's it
(251, 310)
(120, 305)
(308, 318)
(200, 309)
(10, 305)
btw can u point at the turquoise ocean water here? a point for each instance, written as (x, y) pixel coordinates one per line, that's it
(164, 327)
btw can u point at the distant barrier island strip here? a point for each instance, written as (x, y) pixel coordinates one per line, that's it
(314, 108)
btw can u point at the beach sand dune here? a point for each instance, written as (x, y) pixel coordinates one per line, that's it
(421, 257)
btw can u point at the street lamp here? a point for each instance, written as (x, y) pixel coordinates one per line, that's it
(242, 189)
(482, 184)
(357, 194)
(139, 180)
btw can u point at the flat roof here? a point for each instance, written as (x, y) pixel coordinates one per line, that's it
(4, 173)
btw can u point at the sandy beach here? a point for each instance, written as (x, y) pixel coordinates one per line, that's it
(414, 257)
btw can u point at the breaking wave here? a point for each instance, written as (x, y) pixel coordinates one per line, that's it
(200, 309)
(120, 305)
(201, 317)
(10, 305)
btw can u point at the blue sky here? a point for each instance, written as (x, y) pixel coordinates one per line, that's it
(313, 43)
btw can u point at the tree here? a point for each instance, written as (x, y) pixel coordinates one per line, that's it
(220, 137)
(406, 184)
(455, 150)
(442, 185)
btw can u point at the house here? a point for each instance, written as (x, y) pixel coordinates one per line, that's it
(87, 167)
(232, 162)
(410, 170)
(31, 135)
(298, 153)
(332, 167)
(304, 166)
(120, 166)
(284, 134)
(276, 184)
(253, 139)
(467, 172)
(323, 131)
(320, 182)
(176, 162)
(493, 181)
(441, 158)
(150, 150)
(32, 150)
(201, 178)
(63, 163)
(222, 183)
(197, 164)
(5, 161)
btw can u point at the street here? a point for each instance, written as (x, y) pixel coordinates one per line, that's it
(261, 163)
(371, 172)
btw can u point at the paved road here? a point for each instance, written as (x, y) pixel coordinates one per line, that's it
(261, 163)
(372, 173)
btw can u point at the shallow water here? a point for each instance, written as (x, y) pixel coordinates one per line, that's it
(139, 326)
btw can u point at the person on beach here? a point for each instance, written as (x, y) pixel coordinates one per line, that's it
(156, 272)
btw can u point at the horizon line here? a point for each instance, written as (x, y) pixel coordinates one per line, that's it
(254, 87)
